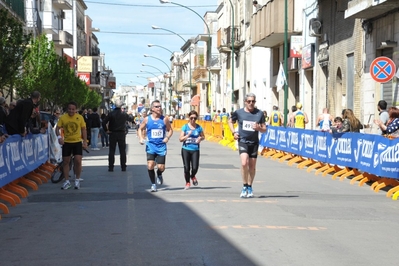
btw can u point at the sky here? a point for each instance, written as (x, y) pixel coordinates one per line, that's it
(125, 32)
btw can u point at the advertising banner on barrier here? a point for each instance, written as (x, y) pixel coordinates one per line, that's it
(373, 154)
(21, 155)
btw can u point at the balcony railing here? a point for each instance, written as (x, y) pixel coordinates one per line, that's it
(216, 62)
(367, 9)
(16, 6)
(65, 40)
(33, 20)
(267, 25)
(224, 39)
(200, 75)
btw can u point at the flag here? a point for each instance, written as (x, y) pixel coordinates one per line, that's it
(281, 80)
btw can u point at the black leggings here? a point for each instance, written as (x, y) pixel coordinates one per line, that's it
(190, 158)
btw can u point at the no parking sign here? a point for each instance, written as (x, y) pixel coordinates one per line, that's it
(382, 69)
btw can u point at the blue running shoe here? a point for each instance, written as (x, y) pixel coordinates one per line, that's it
(250, 193)
(243, 192)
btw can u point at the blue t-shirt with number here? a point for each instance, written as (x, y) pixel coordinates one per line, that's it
(191, 143)
(156, 132)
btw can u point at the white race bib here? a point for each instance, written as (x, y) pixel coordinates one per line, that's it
(191, 140)
(157, 133)
(247, 125)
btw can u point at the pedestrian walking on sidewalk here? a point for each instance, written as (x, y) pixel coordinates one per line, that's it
(251, 121)
(74, 127)
(191, 135)
(159, 131)
(115, 126)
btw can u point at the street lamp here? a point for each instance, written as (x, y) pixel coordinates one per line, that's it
(151, 45)
(155, 89)
(170, 75)
(153, 67)
(146, 55)
(209, 45)
(189, 50)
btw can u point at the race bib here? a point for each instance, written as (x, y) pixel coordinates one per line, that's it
(191, 140)
(247, 125)
(157, 133)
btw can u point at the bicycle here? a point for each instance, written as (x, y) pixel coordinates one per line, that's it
(58, 173)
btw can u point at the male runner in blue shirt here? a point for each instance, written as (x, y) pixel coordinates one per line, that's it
(159, 131)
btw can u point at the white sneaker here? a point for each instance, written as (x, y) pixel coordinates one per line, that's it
(66, 185)
(77, 184)
(153, 188)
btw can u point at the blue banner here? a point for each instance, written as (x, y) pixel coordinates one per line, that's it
(373, 154)
(21, 155)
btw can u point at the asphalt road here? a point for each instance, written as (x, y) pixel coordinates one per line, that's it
(295, 218)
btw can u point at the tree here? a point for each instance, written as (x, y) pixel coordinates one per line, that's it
(94, 99)
(39, 69)
(49, 73)
(13, 43)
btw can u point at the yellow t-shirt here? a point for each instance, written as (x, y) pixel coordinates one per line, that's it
(299, 119)
(72, 126)
(275, 119)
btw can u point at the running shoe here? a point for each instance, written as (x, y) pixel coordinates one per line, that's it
(160, 180)
(153, 188)
(250, 193)
(66, 185)
(77, 184)
(243, 192)
(195, 181)
(187, 186)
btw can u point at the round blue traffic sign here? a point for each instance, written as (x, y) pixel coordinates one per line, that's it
(382, 69)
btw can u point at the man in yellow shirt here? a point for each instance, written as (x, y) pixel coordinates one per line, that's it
(276, 118)
(299, 118)
(74, 128)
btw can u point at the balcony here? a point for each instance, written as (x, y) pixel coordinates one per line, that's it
(267, 25)
(367, 9)
(65, 40)
(200, 75)
(225, 38)
(33, 20)
(216, 63)
(16, 7)
(63, 4)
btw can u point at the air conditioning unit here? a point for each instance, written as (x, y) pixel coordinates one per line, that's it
(62, 15)
(314, 27)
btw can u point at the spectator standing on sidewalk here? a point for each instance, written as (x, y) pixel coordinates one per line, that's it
(251, 121)
(115, 125)
(95, 124)
(159, 131)
(3, 113)
(103, 133)
(383, 115)
(19, 116)
(191, 135)
(324, 121)
(276, 118)
(73, 143)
